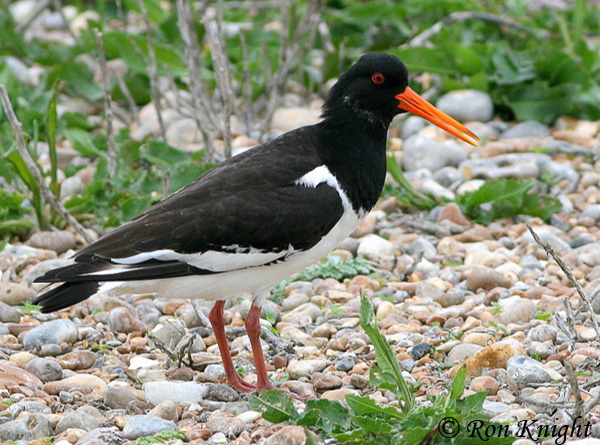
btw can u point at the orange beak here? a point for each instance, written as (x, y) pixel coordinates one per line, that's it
(412, 102)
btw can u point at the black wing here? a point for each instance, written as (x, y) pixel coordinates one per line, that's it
(248, 202)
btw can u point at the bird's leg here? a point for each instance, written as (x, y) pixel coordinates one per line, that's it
(218, 324)
(253, 330)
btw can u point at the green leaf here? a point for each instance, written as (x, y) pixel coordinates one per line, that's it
(275, 406)
(429, 60)
(367, 406)
(458, 386)
(386, 359)
(26, 176)
(82, 142)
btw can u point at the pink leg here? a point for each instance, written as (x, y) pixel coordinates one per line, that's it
(253, 330)
(218, 324)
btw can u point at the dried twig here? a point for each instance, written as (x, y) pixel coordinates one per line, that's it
(133, 109)
(111, 158)
(153, 71)
(203, 109)
(204, 321)
(35, 171)
(34, 15)
(579, 409)
(216, 39)
(570, 276)
(461, 17)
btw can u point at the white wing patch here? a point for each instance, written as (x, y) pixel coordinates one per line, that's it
(316, 176)
(231, 258)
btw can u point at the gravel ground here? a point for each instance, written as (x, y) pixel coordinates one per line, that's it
(448, 292)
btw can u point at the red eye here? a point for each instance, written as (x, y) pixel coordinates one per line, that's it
(378, 78)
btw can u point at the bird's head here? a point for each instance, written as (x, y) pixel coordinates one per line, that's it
(376, 89)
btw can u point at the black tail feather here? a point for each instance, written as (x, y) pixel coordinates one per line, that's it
(65, 295)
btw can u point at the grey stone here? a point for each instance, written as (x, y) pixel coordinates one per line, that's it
(28, 427)
(422, 247)
(44, 369)
(4, 329)
(523, 371)
(421, 152)
(526, 129)
(55, 331)
(59, 241)
(105, 436)
(54, 21)
(286, 119)
(467, 105)
(447, 176)
(9, 314)
(215, 371)
(548, 234)
(420, 350)
(70, 187)
(144, 425)
(412, 125)
(346, 364)
(592, 211)
(516, 309)
(169, 333)
(492, 409)
(221, 392)
(27, 406)
(78, 419)
(542, 333)
(540, 350)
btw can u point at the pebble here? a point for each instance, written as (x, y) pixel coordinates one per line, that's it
(46, 370)
(28, 427)
(9, 314)
(144, 425)
(460, 352)
(118, 397)
(346, 364)
(485, 383)
(15, 294)
(420, 350)
(77, 419)
(158, 392)
(486, 278)
(121, 320)
(412, 125)
(287, 119)
(516, 309)
(58, 242)
(85, 383)
(289, 435)
(421, 152)
(325, 381)
(167, 410)
(526, 129)
(523, 371)
(448, 176)
(70, 187)
(225, 423)
(373, 246)
(305, 368)
(467, 105)
(55, 331)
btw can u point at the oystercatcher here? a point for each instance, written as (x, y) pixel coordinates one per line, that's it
(261, 216)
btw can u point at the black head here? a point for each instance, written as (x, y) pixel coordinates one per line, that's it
(375, 89)
(368, 89)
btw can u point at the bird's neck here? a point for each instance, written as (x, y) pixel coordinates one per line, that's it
(354, 151)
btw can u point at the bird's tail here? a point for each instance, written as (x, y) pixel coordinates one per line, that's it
(65, 295)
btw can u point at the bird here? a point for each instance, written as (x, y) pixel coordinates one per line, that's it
(259, 217)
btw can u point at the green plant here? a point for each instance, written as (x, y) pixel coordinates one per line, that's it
(28, 307)
(363, 421)
(404, 192)
(507, 198)
(332, 266)
(13, 212)
(161, 437)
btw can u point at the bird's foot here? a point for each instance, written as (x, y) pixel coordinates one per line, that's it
(239, 383)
